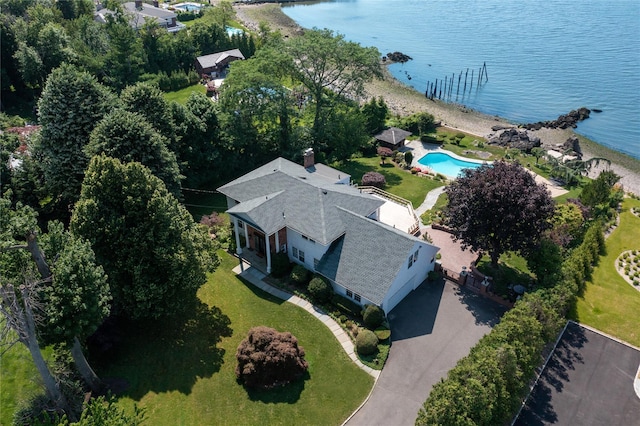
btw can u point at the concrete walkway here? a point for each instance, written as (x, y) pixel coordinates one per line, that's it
(255, 277)
(429, 200)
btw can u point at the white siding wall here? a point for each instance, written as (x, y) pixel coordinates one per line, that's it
(230, 202)
(343, 292)
(312, 250)
(410, 278)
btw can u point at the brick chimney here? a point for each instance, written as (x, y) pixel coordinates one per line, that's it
(155, 3)
(138, 4)
(309, 158)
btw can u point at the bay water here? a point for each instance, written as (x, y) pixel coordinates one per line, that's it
(543, 59)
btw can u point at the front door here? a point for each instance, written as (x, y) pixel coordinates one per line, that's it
(259, 244)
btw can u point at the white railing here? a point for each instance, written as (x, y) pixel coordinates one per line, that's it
(395, 199)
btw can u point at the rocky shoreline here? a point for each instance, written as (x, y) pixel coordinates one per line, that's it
(404, 100)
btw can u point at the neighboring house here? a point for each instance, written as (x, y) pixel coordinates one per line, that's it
(392, 138)
(217, 64)
(139, 13)
(313, 214)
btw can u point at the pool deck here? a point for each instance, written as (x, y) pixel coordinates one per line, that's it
(420, 149)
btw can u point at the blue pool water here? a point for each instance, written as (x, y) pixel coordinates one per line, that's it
(231, 31)
(188, 7)
(445, 164)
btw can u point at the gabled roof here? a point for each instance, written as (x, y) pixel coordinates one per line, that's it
(282, 193)
(150, 11)
(214, 59)
(392, 135)
(368, 257)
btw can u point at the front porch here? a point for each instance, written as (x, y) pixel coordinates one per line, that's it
(257, 247)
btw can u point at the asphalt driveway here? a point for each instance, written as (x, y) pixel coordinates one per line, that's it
(432, 328)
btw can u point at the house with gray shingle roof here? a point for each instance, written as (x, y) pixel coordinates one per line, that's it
(312, 213)
(216, 64)
(139, 13)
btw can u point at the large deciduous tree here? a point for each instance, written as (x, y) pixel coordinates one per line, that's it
(323, 61)
(71, 105)
(498, 207)
(154, 253)
(128, 136)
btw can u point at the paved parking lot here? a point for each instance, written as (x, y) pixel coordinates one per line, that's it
(432, 328)
(588, 381)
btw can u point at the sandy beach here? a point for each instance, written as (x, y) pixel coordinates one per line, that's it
(404, 100)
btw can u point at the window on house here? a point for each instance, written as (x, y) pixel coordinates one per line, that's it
(433, 259)
(415, 256)
(349, 293)
(304, 238)
(357, 298)
(240, 224)
(301, 256)
(315, 263)
(312, 241)
(295, 252)
(410, 260)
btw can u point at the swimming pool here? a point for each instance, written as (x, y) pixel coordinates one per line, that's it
(188, 7)
(445, 164)
(233, 31)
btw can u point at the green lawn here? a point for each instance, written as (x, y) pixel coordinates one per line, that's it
(609, 303)
(19, 380)
(399, 182)
(182, 95)
(185, 374)
(182, 371)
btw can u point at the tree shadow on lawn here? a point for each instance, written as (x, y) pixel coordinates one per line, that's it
(288, 394)
(163, 355)
(261, 293)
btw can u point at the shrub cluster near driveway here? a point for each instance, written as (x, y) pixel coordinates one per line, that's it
(207, 391)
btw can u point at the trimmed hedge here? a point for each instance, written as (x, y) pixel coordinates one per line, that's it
(366, 342)
(487, 386)
(320, 290)
(374, 179)
(280, 265)
(300, 275)
(372, 316)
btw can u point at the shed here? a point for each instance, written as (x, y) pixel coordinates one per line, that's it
(392, 137)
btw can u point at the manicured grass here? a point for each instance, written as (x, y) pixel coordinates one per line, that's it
(201, 203)
(399, 182)
(609, 303)
(184, 374)
(19, 380)
(182, 95)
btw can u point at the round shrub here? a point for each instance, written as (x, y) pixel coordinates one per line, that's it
(373, 179)
(320, 290)
(300, 275)
(268, 358)
(372, 316)
(366, 342)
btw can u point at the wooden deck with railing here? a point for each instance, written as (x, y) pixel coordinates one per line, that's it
(415, 227)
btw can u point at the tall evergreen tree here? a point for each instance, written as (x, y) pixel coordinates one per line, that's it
(154, 253)
(71, 105)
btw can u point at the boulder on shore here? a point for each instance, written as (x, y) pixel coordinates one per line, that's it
(515, 138)
(398, 57)
(563, 122)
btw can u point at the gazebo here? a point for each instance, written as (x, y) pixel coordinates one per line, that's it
(392, 138)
